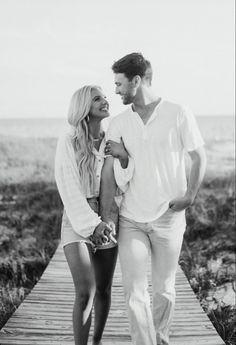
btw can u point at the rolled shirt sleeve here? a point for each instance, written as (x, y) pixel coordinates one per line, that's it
(123, 176)
(114, 130)
(83, 219)
(189, 130)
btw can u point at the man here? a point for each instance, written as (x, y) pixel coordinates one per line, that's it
(148, 73)
(156, 134)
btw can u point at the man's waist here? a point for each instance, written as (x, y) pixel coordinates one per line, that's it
(144, 215)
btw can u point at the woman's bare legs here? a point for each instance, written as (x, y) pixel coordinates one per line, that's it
(79, 260)
(104, 262)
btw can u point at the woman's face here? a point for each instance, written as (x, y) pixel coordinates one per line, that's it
(99, 107)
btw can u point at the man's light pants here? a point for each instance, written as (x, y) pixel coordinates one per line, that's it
(163, 239)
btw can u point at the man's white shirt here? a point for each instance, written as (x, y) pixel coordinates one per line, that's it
(158, 149)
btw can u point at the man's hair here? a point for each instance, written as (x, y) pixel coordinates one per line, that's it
(131, 65)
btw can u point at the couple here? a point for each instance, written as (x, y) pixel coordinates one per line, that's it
(138, 168)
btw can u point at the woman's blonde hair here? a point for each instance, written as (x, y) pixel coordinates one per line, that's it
(82, 141)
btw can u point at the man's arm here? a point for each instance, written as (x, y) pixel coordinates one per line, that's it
(107, 190)
(197, 171)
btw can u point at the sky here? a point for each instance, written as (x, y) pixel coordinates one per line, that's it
(50, 48)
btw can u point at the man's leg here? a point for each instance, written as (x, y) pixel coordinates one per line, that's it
(134, 247)
(166, 240)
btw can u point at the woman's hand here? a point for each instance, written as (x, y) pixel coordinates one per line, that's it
(117, 150)
(103, 234)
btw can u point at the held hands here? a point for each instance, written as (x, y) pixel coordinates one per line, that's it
(180, 204)
(103, 234)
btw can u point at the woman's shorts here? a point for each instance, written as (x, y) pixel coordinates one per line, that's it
(68, 235)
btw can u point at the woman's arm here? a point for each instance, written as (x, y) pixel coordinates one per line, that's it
(83, 219)
(123, 165)
(118, 150)
(107, 190)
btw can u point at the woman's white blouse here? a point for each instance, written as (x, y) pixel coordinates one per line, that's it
(82, 218)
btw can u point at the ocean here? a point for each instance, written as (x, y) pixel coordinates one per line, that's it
(218, 133)
(213, 128)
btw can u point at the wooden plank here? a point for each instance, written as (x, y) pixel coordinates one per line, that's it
(44, 318)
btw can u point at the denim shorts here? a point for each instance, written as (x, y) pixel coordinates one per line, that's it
(68, 235)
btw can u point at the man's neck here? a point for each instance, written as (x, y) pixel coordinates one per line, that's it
(145, 103)
(146, 107)
(144, 99)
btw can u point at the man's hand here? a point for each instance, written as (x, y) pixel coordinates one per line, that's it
(103, 234)
(197, 171)
(180, 204)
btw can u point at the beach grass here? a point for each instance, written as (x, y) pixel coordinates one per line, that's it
(30, 218)
(208, 253)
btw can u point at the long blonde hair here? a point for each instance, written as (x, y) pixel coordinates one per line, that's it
(78, 117)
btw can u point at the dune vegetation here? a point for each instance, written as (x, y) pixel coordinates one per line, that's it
(30, 216)
(208, 253)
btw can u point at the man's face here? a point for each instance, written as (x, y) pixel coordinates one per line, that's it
(125, 88)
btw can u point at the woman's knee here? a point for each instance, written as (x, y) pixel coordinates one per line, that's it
(84, 296)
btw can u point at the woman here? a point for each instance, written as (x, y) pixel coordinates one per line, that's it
(89, 244)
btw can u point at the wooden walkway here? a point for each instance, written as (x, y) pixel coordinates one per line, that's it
(44, 318)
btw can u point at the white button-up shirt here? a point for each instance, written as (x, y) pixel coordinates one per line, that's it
(82, 218)
(157, 149)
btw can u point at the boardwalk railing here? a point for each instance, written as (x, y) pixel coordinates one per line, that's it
(44, 318)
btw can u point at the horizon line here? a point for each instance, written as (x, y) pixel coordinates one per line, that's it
(63, 118)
